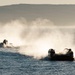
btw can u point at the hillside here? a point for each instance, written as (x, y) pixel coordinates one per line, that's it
(58, 14)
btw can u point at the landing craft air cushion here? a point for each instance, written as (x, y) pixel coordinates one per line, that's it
(60, 57)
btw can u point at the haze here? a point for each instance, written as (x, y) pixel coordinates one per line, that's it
(9, 2)
(57, 14)
(38, 27)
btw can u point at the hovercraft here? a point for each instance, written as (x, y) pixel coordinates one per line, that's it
(4, 44)
(60, 57)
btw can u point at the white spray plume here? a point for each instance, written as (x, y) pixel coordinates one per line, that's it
(12, 31)
(38, 36)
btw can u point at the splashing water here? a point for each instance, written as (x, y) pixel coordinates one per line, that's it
(37, 37)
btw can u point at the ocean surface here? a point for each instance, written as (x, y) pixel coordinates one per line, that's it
(13, 63)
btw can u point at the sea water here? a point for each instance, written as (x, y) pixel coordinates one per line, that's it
(13, 63)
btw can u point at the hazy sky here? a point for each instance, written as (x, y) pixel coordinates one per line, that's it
(9, 2)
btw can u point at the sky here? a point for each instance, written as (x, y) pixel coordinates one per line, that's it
(9, 2)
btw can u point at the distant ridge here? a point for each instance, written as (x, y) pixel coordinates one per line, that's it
(58, 14)
(37, 4)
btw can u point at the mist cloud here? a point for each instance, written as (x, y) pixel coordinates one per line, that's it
(38, 36)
